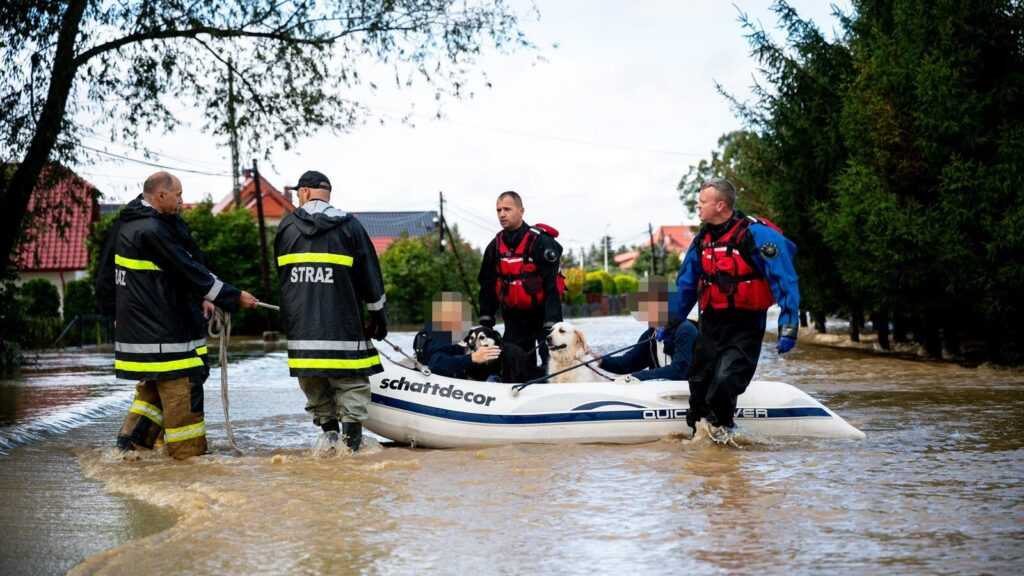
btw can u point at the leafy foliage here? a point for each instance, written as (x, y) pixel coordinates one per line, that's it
(40, 299)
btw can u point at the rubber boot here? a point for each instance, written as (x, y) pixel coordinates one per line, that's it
(352, 432)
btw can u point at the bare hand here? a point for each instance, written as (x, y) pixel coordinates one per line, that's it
(485, 354)
(208, 309)
(247, 300)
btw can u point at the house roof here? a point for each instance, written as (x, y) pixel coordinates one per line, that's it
(394, 224)
(275, 204)
(675, 238)
(70, 201)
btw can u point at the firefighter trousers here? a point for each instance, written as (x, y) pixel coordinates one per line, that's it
(173, 408)
(336, 399)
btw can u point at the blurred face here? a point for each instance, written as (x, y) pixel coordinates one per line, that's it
(450, 316)
(168, 200)
(510, 216)
(654, 312)
(711, 208)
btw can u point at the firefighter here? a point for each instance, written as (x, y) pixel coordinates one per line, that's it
(520, 276)
(328, 271)
(735, 269)
(152, 281)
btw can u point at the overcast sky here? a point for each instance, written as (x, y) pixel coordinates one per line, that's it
(595, 136)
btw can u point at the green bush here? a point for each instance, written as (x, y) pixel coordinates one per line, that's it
(626, 284)
(79, 299)
(40, 299)
(599, 282)
(12, 326)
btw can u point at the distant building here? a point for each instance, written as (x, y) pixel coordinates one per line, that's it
(675, 239)
(275, 204)
(69, 203)
(386, 227)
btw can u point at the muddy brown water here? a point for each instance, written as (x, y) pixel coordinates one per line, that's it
(937, 486)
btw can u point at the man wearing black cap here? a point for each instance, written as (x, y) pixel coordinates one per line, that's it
(328, 272)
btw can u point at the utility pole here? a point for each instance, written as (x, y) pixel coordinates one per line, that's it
(604, 245)
(264, 268)
(654, 252)
(458, 260)
(233, 135)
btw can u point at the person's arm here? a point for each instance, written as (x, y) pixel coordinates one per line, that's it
(684, 336)
(686, 282)
(172, 257)
(450, 361)
(636, 358)
(547, 253)
(774, 256)
(105, 274)
(487, 277)
(369, 282)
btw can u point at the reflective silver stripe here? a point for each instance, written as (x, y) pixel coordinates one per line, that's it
(215, 289)
(346, 345)
(379, 304)
(133, 348)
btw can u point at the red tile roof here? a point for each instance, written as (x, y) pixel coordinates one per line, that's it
(381, 243)
(70, 200)
(675, 238)
(275, 205)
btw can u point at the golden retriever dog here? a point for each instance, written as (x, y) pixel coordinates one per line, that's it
(568, 347)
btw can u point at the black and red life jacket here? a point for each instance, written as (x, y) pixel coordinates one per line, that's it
(519, 285)
(729, 279)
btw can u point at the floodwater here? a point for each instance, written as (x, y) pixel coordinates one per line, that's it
(937, 486)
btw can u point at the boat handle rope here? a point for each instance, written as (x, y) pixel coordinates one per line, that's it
(423, 369)
(543, 379)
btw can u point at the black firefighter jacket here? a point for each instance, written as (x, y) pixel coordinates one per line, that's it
(153, 265)
(328, 270)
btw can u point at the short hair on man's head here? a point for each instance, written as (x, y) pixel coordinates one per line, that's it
(156, 182)
(513, 195)
(726, 191)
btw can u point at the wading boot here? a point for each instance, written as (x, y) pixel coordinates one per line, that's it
(352, 432)
(327, 444)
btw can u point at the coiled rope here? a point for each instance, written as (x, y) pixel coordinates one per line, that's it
(220, 327)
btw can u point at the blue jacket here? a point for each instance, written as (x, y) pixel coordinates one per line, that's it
(445, 358)
(773, 258)
(642, 361)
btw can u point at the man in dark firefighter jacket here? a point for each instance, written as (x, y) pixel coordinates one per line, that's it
(736, 268)
(520, 274)
(152, 281)
(328, 271)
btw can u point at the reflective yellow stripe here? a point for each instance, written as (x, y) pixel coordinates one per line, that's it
(344, 364)
(202, 350)
(167, 366)
(185, 432)
(314, 258)
(149, 411)
(134, 264)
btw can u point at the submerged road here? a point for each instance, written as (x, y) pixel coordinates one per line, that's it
(935, 488)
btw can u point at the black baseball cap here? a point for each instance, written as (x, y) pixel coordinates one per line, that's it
(313, 179)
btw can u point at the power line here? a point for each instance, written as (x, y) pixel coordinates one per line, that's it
(154, 164)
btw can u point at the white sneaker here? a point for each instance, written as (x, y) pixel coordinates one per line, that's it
(723, 435)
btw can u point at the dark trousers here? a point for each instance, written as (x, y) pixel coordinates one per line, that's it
(525, 329)
(724, 362)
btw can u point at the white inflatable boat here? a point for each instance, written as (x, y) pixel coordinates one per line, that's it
(438, 412)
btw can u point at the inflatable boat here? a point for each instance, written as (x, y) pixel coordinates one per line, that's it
(411, 407)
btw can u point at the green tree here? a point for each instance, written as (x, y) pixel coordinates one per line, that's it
(416, 271)
(40, 299)
(737, 159)
(79, 299)
(84, 67)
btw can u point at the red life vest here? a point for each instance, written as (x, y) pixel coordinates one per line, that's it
(519, 285)
(729, 279)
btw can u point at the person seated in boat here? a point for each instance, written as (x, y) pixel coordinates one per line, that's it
(440, 345)
(665, 350)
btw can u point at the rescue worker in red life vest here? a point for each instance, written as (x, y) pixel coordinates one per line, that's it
(520, 275)
(328, 270)
(157, 282)
(735, 269)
